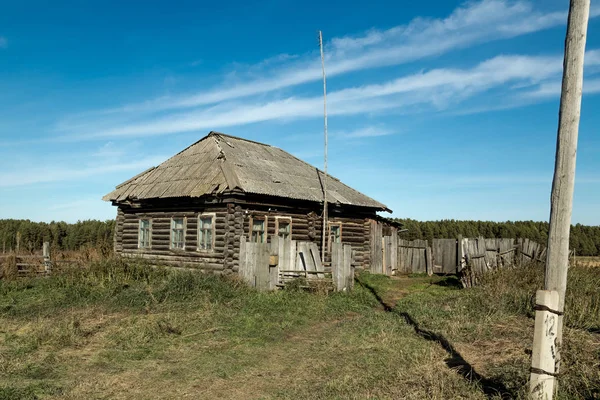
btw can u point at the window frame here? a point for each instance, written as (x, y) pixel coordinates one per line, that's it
(213, 217)
(171, 232)
(265, 233)
(289, 222)
(149, 234)
(329, 242)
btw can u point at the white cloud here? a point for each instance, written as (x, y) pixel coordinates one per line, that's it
(3, 42)
(552, 88)
(46, 174)
(470, 24)
(365, 132)
(438, 88)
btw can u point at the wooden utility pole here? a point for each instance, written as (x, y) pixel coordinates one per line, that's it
(324, 233)
(561, 202)
(561, 206)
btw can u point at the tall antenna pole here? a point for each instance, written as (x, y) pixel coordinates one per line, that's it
(325, 169)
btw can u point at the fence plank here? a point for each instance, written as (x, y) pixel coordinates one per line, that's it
(376, 247)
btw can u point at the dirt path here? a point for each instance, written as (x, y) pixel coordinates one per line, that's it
(281, 365)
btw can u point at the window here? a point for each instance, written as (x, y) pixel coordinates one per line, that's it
(257, 235)
(335, 233)
(206, 228)
(177, 233)
(145, 234)
(283, 227)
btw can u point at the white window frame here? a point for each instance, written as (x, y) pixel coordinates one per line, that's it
(172, 231)
(289, 222)
(213, 217)
(149, 232)
(265, 221)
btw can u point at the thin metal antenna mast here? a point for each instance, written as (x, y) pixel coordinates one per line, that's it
(325, 169)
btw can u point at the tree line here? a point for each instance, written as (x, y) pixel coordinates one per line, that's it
(585, 240)
(61, 235)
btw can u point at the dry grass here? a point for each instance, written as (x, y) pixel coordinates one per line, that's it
(587, 262)
(119, 331)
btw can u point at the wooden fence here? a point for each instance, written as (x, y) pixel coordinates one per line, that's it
(268, 266)
(24, 264)
(452, 256)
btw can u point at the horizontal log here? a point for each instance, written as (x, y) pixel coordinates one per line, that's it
(196, 258)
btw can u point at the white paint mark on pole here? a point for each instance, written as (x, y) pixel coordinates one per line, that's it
(545, 354)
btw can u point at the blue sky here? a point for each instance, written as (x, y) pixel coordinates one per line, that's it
(438, 109)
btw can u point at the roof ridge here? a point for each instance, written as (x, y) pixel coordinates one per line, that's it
(214, 133)
(226, 166)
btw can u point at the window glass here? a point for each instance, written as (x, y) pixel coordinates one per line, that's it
(284, 228)
(205, 232)
(144, 239)
(177, 233)
(335, 235)
(258, 231)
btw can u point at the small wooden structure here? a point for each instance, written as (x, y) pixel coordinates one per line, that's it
(198, 208)
(267, 266)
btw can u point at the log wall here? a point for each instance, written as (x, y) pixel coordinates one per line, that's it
(233, 220)
(221, 259)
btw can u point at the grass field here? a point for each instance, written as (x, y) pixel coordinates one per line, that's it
(118, 331)
(586, 261)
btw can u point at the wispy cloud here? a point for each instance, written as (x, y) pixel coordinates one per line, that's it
(46, 174)
(365, 132)
(3, 42)
(553, 88)
(439, 88)
(470, 24)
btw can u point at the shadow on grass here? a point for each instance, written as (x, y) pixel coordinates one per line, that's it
(449, 282)
(491, 388)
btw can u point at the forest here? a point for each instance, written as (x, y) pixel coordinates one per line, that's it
(61, 235)
(585, 240)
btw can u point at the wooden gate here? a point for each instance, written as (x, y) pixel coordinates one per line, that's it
(267, 266)
(445, 255)
(414, 257)
(341, 265)
(255, 264)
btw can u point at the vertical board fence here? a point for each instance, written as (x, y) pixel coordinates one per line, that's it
(412, 257)
(469, 257)
(267, 266)
(342, 268)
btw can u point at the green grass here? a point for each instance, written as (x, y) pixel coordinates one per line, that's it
(124, 330)
(491, 326)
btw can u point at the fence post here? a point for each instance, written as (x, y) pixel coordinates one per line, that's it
(428, 260)
(274, 262)
(459, 253)
(47, 261)
(544, 355)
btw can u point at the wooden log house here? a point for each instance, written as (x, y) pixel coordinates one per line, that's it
(192, 210)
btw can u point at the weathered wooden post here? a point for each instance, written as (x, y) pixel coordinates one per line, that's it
(17, 248)
(459, 253)
(545, 352)
(47, 261)
(561, 200)
(274, 262)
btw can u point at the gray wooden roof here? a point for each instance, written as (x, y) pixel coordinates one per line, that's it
(218, 163)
